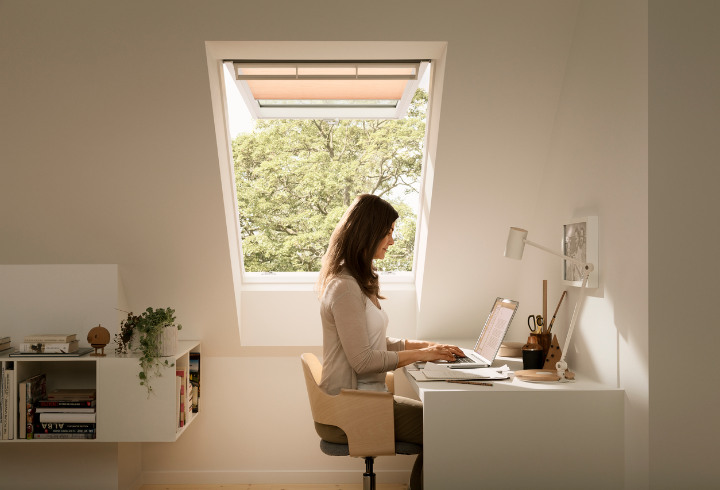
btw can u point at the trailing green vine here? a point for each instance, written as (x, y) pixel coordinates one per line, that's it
(148, 328)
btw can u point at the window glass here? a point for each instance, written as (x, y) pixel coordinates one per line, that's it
(295, 178)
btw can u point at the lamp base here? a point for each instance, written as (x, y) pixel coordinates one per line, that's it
(543, 375)
(537, 375)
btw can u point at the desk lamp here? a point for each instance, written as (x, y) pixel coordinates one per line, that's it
(514, 250)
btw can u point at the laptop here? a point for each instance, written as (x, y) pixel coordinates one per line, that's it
(493, 332)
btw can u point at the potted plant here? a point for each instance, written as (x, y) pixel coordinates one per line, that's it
(153, 335)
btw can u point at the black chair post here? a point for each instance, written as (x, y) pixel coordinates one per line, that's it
(369, 476)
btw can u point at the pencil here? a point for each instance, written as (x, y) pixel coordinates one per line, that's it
(466, 382)
(562, 297)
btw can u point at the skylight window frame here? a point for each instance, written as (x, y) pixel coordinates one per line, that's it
(340, 111)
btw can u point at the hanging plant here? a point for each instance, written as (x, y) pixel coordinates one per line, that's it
(144, 333)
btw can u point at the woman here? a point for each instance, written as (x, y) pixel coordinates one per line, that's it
(356, 351)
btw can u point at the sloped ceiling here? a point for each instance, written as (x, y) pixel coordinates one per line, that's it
(109, 154)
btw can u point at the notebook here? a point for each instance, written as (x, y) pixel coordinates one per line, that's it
(493, 332)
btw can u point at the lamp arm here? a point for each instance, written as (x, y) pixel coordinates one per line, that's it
(585, 265)
(573, 319)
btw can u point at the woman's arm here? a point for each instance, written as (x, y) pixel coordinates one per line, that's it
(419, 350)
(417, 344)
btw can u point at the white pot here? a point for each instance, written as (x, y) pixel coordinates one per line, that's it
(169, 341)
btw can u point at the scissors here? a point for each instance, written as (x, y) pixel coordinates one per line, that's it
(535, 323)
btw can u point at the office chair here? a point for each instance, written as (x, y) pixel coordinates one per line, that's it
(366, 417)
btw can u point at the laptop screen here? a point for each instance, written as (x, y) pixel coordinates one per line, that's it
(496, 326)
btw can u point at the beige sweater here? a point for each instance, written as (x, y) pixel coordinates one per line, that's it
(347, 348)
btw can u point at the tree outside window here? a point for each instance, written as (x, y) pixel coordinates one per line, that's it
(295, 179)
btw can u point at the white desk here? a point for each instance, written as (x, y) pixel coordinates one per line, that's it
(561, 435)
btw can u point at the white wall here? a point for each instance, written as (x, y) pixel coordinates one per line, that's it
(59, 299)
(109, 156)
(684, 266)
(597, 165)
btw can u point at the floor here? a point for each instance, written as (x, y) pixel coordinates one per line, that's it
(276, 486)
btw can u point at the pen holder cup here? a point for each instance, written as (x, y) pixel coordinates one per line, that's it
(544, 340)
(532, 354)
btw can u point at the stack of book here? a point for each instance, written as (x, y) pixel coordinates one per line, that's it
(4, 343)
(65, 414)
(51, 343)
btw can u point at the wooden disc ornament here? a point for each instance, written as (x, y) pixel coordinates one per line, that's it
(98, 338)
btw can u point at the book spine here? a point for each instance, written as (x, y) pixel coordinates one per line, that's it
(65, 403)
(67, 417)
(55, 426)
(29, 410)
(4, 401)
(47, 347)
(49, 338)
(89, 435)
(39, 409)
(22, 400)
(11, 422)
(44, 428)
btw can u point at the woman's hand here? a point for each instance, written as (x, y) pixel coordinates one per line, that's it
(432, 352)
(441, 352)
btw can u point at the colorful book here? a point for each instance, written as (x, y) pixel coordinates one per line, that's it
(35, 389)
(47, 347)
(4, 402)
(50, 337)
(72, 394)
(195, 379)
(9, 404)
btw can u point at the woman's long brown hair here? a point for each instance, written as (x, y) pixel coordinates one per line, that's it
(354, 241)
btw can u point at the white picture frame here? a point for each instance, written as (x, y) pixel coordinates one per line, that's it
(580, 241)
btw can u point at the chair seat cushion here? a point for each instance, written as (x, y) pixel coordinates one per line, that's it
(333, 449)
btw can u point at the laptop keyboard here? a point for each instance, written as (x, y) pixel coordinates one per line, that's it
(461, 360)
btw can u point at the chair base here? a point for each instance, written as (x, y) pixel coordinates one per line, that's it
(369, 476)
(369, 480)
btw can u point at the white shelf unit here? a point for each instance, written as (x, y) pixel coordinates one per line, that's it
(124, 410)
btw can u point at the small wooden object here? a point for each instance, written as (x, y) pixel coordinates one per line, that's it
(537, 375)
(98, 337)
(553, 355)
(548, 371)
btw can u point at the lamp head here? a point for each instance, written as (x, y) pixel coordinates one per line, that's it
(515, 243)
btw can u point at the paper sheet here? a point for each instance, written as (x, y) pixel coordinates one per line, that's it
(435, 372)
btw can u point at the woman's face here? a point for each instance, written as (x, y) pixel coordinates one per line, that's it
(385, 243)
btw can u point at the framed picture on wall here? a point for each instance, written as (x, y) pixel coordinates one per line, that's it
(580, 241)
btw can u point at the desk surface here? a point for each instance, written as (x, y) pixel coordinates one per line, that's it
(511, 384)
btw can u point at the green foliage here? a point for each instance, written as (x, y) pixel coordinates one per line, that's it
(148, 328)
(295, 178)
